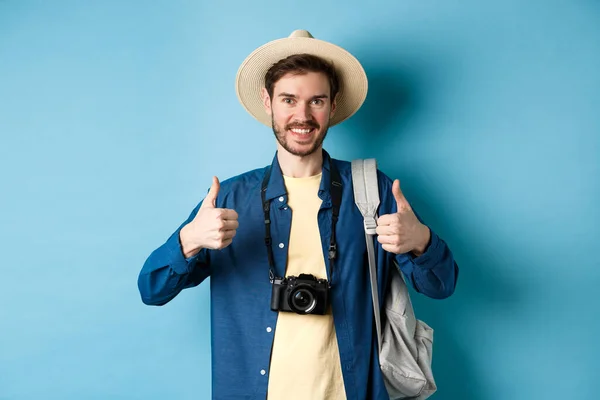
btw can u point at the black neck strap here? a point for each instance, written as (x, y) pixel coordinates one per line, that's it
(336, 200)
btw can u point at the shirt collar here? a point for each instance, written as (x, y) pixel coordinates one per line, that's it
(276, 185)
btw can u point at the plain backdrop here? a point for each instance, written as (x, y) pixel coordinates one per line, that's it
(114, 116)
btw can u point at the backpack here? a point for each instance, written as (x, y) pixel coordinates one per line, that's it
(404, 343)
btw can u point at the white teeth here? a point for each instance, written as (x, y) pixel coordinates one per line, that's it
(301, 131)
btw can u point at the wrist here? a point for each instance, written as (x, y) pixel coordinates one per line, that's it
(187, 246)
(423, 242)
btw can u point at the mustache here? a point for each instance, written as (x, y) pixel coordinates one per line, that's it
(302, 125)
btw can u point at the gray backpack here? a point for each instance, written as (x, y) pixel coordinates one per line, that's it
(405, 343)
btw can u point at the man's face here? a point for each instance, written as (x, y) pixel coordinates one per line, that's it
(300, 111)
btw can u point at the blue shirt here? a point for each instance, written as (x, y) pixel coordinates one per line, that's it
(241, 290)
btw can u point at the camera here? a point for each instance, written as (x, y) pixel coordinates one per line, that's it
(304, 294)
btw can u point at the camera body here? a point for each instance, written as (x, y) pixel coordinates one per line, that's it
(304, 294)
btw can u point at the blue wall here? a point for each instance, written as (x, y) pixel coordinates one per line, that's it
(115, 115)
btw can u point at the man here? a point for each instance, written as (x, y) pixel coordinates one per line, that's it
(255, 229)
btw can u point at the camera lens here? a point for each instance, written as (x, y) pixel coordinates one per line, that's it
(302, 300)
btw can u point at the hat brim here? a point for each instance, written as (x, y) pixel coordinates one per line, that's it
(250, 79)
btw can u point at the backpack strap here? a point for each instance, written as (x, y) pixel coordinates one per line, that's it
(366, 197)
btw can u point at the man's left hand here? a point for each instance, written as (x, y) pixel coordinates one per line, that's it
(402, 232)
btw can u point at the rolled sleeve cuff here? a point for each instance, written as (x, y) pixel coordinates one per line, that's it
(179, 263)
(432, 254)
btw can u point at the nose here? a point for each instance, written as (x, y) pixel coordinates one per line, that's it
(303, 112)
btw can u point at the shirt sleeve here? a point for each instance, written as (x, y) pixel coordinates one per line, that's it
(435, 272)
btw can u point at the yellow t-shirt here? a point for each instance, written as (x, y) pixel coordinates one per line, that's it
(305, 361)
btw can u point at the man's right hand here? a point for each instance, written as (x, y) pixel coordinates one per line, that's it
(211, 228)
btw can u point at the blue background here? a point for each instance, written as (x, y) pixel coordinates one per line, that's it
(114, 115)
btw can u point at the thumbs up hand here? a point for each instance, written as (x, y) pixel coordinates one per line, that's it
(211, 228)
(402, 232)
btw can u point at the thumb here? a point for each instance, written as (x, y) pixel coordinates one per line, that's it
(399, 196)
(210, 201)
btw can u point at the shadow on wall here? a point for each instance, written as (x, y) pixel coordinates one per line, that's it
(395, 98)
(392, 100)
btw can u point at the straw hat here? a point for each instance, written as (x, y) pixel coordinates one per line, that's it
(250, 78)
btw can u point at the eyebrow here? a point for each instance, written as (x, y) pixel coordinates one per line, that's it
(319, 96)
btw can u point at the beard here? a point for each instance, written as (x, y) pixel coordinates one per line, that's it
(280, 135)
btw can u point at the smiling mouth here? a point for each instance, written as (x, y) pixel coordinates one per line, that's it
(302, 131)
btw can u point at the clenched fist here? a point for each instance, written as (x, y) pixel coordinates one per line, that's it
(211, 228)
(402, 232)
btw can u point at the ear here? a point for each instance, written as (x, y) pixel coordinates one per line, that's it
(266, 100)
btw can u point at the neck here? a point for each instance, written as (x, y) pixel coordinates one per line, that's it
(300, 166)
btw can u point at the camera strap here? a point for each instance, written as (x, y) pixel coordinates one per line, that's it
(336, 200)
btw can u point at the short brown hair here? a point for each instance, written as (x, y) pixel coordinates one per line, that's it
(301, 64)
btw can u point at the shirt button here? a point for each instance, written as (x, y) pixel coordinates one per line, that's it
(269, 329)
(285, 208)
(262, 372)
(281, 245)
(281, 199)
